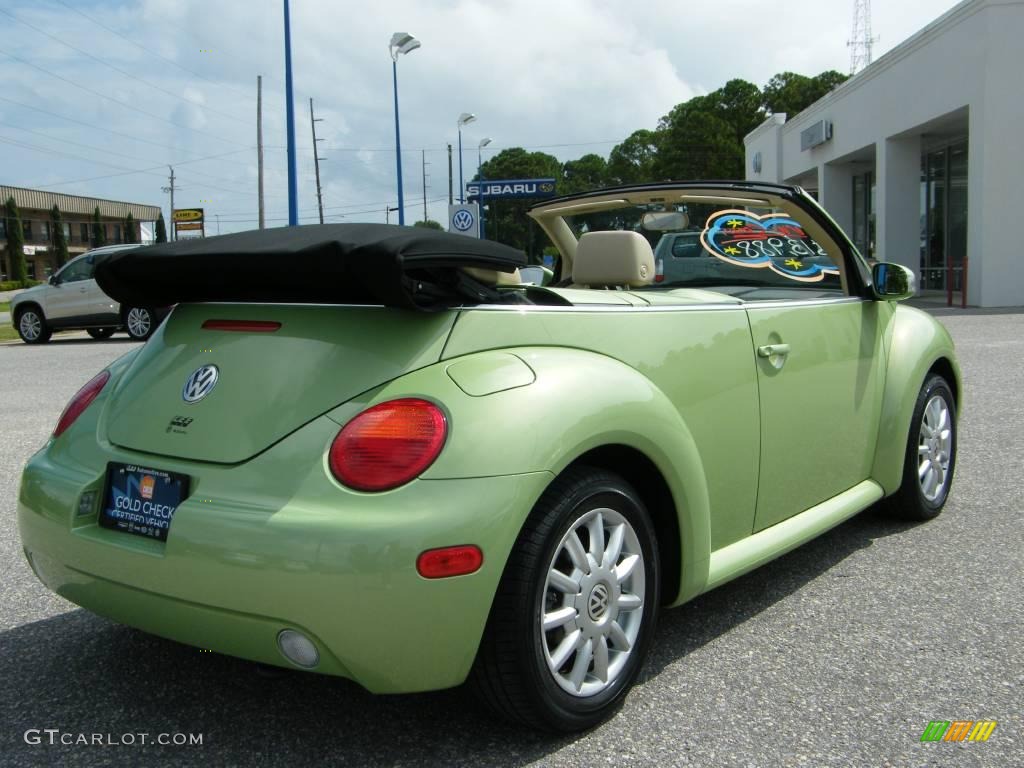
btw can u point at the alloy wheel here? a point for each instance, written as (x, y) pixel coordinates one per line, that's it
(593, 602)
(139, 322)
(935, 447)
(30, 325)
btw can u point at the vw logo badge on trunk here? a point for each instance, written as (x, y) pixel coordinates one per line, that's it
(200, 383)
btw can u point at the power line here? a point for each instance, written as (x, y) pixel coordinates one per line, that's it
(124, 135)
(116, 101)
(123, 72)
(152, 52)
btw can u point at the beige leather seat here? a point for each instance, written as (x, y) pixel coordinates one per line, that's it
(613, 259)
(493, 277)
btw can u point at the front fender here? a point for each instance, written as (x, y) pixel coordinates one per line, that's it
(578, 401)
(916, 342)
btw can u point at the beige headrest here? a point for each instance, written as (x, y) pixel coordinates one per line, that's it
(493, 276)
(613, 258)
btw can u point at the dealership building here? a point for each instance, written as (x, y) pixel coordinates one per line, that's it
(920, 156)
(34, 209)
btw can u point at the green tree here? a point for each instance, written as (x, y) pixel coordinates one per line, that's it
(632, 161)
(506, 220)
(696, 143)
(57, 236)
(99, 234)
(740, 104)
(15, 242)
(791, 93)
(587, 173)
(129, 228)
(429, 224)
(161, 229)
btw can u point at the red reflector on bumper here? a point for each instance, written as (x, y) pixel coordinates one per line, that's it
(244, 326)
(449, 561)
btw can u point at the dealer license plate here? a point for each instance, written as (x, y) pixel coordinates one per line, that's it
(142, 500)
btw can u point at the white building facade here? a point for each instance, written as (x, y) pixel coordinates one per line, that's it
(920, 157)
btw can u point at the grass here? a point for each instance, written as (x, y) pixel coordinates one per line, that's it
(7, 332)
(5, 306)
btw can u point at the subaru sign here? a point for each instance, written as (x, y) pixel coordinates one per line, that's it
(511, 188)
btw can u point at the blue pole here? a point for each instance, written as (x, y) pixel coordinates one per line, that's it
(462, 187)
(293, 184)
(398, 148)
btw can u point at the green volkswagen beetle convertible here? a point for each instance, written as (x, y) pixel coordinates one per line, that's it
(404, 458)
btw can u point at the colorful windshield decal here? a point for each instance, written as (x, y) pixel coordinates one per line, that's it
(775, 242)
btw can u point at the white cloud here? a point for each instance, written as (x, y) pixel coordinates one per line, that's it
(537, 73)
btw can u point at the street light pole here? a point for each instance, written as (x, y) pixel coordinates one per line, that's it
(464, 119)
(479, 177)
(401, 42)
(293, 177)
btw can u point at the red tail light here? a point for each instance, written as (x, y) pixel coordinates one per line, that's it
(388, 445)
(80, 402)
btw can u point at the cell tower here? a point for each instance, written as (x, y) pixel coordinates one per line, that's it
(861, 42)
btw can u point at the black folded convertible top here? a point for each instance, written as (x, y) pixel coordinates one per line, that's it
(396, 266)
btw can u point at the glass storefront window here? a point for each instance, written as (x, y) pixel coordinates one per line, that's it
(943, 216)
(864, 214)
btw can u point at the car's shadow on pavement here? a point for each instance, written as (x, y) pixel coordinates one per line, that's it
(82, 674)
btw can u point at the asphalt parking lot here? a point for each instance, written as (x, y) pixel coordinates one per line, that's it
(838, 654)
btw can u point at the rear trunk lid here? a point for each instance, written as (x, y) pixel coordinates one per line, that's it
(269, 381)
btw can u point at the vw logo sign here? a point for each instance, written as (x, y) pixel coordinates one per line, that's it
(200, 383)
(462, 220)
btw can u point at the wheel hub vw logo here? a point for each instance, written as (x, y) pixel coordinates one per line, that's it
(200, 383)
(598, 603)
(462, 220)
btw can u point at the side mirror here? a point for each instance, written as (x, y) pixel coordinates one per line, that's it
(52, 280)
(893, 282)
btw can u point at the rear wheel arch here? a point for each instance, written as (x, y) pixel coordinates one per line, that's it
(637, 469)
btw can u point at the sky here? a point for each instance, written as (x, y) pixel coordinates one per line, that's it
(98, 98)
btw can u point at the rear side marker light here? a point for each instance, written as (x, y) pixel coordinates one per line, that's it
(449, 561)
(388, 445)
(81, 401)
(242, 326)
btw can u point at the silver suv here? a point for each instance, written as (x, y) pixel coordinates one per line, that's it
(72, 300)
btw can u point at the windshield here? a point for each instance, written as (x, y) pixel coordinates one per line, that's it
(701, 244)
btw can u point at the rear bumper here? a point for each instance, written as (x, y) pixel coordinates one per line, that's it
(271, 545)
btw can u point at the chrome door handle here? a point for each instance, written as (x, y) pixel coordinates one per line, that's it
(773, 350)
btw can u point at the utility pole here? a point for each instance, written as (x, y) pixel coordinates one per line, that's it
(450, 198)
(217, 215)
(259, 143)
(316, 160)
(174, 228)
(423, 156)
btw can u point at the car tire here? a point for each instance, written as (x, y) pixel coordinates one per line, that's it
(551, 637)
(32, 326)
(932, 441)
(100, 333)
(140, 322)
